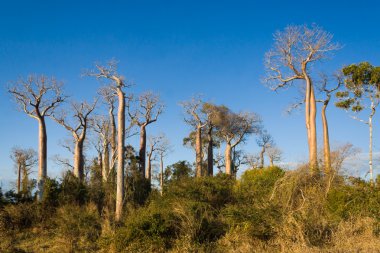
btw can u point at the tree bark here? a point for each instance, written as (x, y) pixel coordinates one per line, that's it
(42, 157)
(142, 151)
(326, 140)
(271, 161)
(120, 155)
(210, 153)
(228, 159)
(198, 152)
(79, 160)
(113, 136)
(310, 120)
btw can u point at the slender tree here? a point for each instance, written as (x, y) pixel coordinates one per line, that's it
(274, 154)
(77, 125)
(264, 141)
(118, 85)
(361, 94)
(147, 111)
(38, 97)
(163, 150)
(295, 50)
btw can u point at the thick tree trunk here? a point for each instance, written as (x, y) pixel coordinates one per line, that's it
(120, 155)
(42, 157)
(161, 174)
(228, 159)
(370, 150)
(25, 181)
(326, 141)
(142, 151)
(210, 154)
(79, 160)
(262, 157)
(198, 152)
(310, 119)
(19, 178)
(271, 161)
(148, 171)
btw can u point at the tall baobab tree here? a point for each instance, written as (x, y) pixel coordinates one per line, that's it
(38, 97)
(77, 125)
(295, 50)
(147, 111)
(154, 141)
(234, 128)
(118, 85)
(163, 149)
(326, 138)
(196, 119)
(361, 93)
(264, 141)
(24, 160)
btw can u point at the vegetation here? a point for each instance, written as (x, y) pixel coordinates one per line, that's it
(116, 202)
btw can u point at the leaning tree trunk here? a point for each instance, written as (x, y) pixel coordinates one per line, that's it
(42, 157)
(79, 160)
(198, 152)
(142, 151)
(210, 154)
(228, 159)
(120, 155)
(326, 141)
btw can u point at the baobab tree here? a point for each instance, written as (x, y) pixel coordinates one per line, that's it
(25, 160)
(264, 141)
(196, 119)
(289, 61)
(234, 128)
(118, 85)
(77, 124)
(38, 97)
(147, 111)
(361, 93)
(153, 142)
(163, 150)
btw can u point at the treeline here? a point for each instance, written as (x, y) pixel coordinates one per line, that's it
(112, 202)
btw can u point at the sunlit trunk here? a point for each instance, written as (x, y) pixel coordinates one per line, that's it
(370, 150)
(42, 157)
(161, 174)
(228, 159)
(326, 141)
(262, 157)
(106, 162)
(120, 155)
(148, 171)
(79, 160)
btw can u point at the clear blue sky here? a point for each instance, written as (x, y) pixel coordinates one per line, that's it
(177, 48)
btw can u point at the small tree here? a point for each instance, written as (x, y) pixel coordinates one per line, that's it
(25, 160)
(77, 125)
(274, 154)
(38, 97)
(264, 141)
(147, 111)
(361, 94)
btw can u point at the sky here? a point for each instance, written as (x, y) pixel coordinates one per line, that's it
(178, 49)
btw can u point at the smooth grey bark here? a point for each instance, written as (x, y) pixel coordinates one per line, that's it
(228, 158)
(198, 151)
(42, 157)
